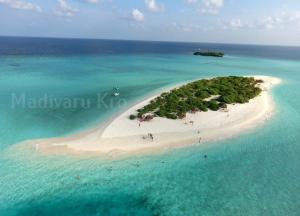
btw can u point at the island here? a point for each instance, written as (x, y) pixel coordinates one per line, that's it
(209, 53)
(195, 113)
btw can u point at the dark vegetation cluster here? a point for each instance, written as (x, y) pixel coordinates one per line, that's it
(209, 53)
(202, 95)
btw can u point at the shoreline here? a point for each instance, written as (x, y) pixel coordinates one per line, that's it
(121, 136)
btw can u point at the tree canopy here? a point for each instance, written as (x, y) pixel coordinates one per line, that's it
(202, 95)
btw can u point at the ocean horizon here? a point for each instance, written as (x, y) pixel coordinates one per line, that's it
(17, 45)
(53, 87)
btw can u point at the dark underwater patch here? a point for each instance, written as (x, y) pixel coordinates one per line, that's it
(108, 204)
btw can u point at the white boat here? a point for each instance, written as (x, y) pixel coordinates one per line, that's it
(116, 94)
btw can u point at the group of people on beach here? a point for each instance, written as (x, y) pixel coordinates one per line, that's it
(150, 135)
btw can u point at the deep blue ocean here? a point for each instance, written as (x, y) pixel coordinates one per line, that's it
(256, 173)
(17, 46)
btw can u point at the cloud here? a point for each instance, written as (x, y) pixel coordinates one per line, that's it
(211, 6)
(64, 9)
(214, 3)
(206, 6)
(153, 6)
(279, 21)
(190, 27)
(92, 1)
(185, 27)
(137, 15)
(98, 1)
(268, 22)
(236, 23)
(22, 5)
(190, 1)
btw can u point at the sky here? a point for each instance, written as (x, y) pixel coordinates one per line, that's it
(266, 22)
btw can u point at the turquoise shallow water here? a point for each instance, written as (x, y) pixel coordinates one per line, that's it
(256, 173)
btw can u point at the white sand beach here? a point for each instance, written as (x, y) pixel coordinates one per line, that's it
(125, 136)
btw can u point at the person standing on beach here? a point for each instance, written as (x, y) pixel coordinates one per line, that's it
(151, 137)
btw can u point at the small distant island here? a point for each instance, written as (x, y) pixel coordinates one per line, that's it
(209, 53)
(202, 95)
